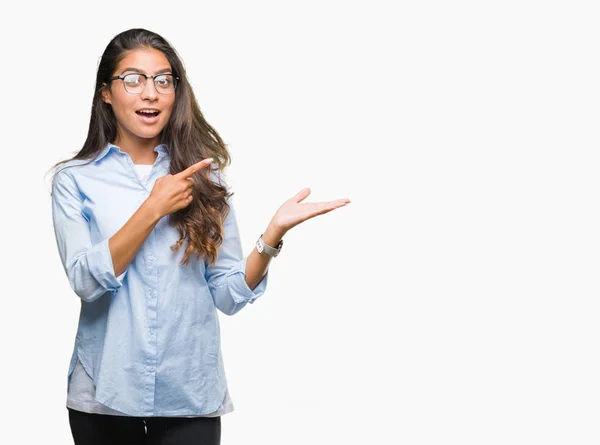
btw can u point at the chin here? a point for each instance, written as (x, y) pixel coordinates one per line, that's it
(149, 134)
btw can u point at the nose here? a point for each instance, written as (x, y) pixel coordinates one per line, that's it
(149, 90)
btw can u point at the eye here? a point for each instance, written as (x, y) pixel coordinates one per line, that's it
(164, 80)
(132, 79)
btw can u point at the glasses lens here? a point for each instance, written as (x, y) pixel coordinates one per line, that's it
(164, 83)
(134, 83)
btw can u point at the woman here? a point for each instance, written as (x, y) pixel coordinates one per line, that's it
(149, 241)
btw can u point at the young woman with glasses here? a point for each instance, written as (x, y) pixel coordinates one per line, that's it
(149, 241)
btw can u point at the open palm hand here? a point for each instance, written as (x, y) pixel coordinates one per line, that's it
(293, 211)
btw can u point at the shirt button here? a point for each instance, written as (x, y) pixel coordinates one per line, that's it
(150, 368)
(151, 331)
(152, 257)
(152, 294)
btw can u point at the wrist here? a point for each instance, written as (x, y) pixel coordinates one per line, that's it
(151, 211)
(273, 234)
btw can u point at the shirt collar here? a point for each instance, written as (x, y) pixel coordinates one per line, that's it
(161, 148)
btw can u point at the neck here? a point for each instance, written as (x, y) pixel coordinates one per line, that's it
(141, 150)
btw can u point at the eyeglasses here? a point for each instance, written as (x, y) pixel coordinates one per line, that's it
(136, 83)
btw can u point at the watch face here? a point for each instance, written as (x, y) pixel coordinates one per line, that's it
(259, 245)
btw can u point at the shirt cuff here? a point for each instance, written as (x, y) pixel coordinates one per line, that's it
(240, 292)
(102, 268)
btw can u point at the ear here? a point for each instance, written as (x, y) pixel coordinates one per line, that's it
(106, 94)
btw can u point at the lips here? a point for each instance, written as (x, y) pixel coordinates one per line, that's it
(148, 112)
(148, 115)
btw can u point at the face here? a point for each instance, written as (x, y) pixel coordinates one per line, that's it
(133, 125)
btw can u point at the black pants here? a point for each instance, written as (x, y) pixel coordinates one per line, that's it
(104, 429)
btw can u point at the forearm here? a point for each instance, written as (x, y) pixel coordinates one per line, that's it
(258, 263)
(127, 241)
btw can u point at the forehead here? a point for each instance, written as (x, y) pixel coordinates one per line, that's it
(144, 60)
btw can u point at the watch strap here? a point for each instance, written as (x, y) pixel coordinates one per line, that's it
(261, 246)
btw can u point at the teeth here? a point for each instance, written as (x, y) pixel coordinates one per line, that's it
(147, 111)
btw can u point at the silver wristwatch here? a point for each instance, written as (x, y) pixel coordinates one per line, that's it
(261, 246)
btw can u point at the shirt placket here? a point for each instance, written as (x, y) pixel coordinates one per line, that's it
(146, 185)
(148, 252)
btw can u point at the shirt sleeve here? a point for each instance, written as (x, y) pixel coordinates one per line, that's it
(88, 267)
(227, 277)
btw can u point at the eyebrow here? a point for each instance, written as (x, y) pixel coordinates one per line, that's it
(164, 70)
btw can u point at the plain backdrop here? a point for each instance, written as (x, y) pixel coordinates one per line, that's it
(455, 300)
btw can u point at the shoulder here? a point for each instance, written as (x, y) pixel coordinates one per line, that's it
(71, 169)
(66, 174)
(72, 165)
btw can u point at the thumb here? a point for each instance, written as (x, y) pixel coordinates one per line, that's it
(302, 194)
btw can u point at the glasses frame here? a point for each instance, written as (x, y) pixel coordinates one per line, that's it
(122, 77)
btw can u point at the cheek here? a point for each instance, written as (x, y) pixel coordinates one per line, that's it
(123, 110)
(167, 113)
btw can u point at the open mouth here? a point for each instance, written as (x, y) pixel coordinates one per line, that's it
(148, 113)
(148, 116)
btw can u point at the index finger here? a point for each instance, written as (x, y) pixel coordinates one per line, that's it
(194, 168)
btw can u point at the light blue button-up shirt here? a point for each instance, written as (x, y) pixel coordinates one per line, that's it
(150, 337)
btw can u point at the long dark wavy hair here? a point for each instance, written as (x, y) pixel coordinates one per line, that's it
(188, 137)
